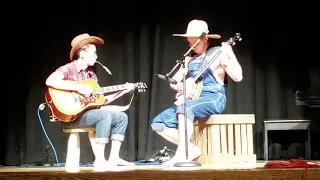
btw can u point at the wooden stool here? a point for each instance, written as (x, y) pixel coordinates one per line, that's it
(73, 153)
(226, 140)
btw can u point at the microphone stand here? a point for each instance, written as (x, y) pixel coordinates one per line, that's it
(181, 61)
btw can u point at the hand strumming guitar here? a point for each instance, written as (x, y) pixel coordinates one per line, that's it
(84, 89)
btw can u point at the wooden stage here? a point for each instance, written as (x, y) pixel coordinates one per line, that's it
(153, 172)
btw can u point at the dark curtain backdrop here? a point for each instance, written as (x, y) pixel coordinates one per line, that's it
(138, 47)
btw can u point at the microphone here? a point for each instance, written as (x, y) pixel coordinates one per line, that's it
(170, 80)
(203, 34)
(105, 68)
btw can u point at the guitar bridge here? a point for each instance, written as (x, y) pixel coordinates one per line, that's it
(74, 97)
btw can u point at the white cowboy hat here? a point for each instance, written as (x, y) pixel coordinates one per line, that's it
(196, 28)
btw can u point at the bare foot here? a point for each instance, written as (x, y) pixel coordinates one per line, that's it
(102, 165)
(121, 162)
(194, 152)
(176, 158)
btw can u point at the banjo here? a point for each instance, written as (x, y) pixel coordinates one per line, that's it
(194, 84)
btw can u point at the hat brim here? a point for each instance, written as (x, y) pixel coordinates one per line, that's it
(90, 40)
(213, 36)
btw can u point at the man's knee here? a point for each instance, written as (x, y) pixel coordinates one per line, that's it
(104, 115)
(119, 117)
(161, 126)
(164, 120)
(190, 114)
(123, 118)
(157, 126)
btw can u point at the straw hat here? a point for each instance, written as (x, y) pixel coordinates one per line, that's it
(81, 40)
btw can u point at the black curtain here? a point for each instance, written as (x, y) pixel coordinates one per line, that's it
(136, 48)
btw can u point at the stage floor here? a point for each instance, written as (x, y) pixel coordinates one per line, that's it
(158, 172)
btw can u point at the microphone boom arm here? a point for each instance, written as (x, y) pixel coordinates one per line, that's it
(104, 67)
(181, 61)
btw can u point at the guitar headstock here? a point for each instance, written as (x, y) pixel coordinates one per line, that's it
(232, 41)
(141, 87)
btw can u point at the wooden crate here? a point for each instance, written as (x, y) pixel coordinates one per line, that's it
(226, 140)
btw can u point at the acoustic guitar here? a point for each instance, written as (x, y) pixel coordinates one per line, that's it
(194, 84)
(67, 105)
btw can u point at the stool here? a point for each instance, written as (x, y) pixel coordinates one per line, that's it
(73, 152)
(270, 125)
(226, 139)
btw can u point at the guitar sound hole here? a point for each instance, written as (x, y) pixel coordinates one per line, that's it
(84, 100)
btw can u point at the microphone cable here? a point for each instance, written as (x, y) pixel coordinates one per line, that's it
(40, 108)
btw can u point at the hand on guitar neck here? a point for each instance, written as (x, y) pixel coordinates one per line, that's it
(129, 88)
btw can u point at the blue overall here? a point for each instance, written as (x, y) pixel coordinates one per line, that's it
(212, 99)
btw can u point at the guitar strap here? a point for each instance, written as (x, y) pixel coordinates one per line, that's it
(118, 108)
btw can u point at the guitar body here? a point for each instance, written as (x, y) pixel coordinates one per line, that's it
(193, 91)
(69, 105)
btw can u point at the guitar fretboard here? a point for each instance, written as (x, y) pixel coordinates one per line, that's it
(109, 89)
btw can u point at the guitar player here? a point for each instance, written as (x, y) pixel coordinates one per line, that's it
(212, 99)
(107, 123)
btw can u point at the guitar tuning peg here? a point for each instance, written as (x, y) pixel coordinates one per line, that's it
(233, 43)
(240, 39)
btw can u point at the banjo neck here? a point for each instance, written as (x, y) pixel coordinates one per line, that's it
(212, 57)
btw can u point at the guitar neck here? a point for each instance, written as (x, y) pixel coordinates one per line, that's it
(107, 89)
(212, 60)
(208, 65)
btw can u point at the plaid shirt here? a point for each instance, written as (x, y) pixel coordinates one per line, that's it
(73, 72)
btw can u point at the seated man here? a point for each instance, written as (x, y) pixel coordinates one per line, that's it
(107, 123)
(213, 95)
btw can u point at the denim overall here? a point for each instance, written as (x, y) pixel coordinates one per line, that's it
(211, 101)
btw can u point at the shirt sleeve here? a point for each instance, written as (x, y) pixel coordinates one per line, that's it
(67, 71)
